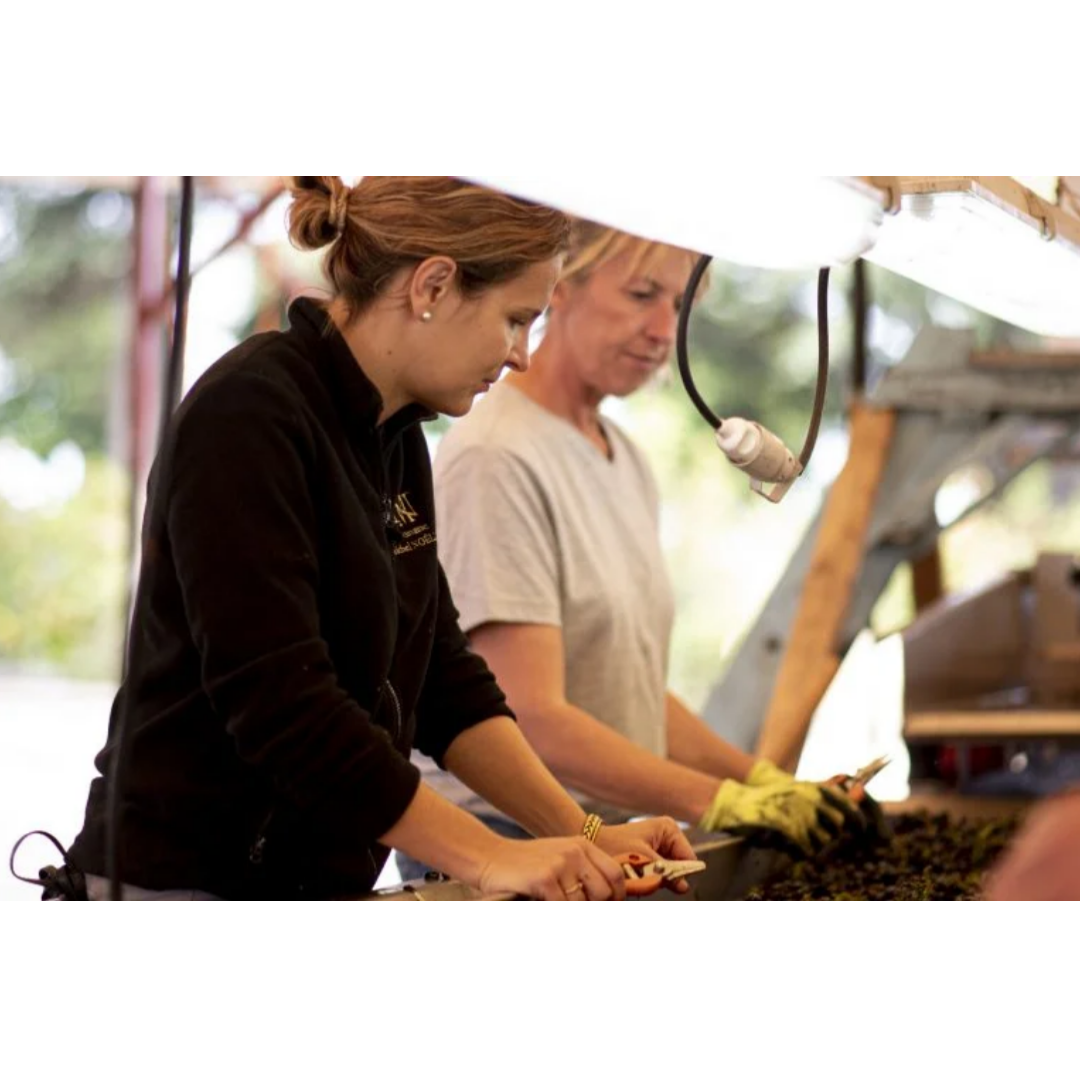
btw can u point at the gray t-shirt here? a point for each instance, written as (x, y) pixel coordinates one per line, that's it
(537, 525)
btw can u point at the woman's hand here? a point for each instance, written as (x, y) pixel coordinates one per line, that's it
(561, 868)
(654, 838)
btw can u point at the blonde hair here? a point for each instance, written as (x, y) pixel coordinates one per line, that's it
(387, 223)
(593, 245)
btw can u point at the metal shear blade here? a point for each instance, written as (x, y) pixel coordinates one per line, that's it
(645, 876)
(674, 869)
(868, 772)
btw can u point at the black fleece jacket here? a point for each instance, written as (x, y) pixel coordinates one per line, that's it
(293, 633)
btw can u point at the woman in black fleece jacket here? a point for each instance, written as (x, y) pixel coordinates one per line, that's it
(293, 634)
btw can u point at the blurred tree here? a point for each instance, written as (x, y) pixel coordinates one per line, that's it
(64, 260)
(62, 573)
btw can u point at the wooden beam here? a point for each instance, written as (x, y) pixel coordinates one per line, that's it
(1063, 652)
(927, 579)
(811, 659)
(1069, 194)
(1006, 360)
(1046, 187)
(942, 725)
(1051, 391)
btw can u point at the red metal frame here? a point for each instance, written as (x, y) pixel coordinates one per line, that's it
(153, 290)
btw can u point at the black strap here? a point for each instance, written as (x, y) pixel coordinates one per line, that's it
(64, 883)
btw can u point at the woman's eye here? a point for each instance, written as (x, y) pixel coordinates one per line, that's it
(644, 297)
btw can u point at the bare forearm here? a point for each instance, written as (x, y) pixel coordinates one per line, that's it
(592, 758)
(496, 761)
(529, 662)
(691, 742)
(435, 832)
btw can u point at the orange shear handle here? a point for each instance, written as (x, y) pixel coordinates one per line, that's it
(637, 882)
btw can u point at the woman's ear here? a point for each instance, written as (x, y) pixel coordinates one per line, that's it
(432, 282)
(559, 296)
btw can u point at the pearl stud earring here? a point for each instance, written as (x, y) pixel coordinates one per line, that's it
(426, 316)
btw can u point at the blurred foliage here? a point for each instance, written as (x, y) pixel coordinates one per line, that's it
(64, 260)
(62, 577)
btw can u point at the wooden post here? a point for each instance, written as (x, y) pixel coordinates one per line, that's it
(927, 579)
(811, 660)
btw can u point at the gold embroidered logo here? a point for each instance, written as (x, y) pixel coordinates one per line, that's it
(404, 513)
(413, 536)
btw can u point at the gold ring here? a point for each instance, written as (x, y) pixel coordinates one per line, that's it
(575, 888)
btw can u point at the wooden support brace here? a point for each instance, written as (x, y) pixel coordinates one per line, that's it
(1008, 360)
(927, 579)
(811, 659)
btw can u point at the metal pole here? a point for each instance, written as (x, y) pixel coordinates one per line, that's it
(149, 278)
(157, 305)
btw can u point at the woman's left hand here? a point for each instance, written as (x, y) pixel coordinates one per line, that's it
(655, 838)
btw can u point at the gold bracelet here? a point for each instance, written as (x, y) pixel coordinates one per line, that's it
(591, 827)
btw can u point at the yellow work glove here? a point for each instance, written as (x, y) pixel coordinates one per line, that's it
(870, 827)
(782, 812)
(765, 772)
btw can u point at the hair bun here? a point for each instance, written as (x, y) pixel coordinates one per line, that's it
(318, 212)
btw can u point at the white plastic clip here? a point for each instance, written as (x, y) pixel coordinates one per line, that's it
(761, 455)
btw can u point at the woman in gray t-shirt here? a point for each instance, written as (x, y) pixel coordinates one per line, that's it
(548, 532)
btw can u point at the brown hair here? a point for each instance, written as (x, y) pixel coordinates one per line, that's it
(386, 223)
(592, 245)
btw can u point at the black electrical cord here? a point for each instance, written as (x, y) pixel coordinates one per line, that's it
(823, 355)
(170, 397)
(822, 367)
(859, 304)
(64, 883)
(681, 350)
